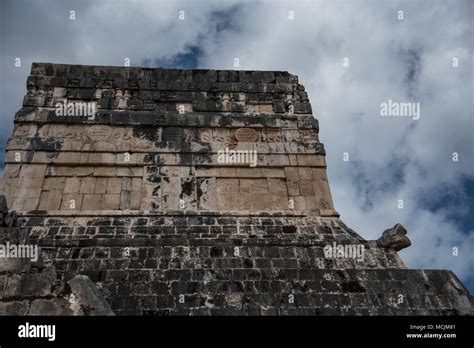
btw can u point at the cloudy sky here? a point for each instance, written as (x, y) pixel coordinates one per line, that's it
(407, 56)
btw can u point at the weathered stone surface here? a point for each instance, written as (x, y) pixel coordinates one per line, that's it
(155, 207)
(3, 205)
(90, 299)
(14, 264)
(52, 306)
(394, 238)
(30, 285)
(14, 308)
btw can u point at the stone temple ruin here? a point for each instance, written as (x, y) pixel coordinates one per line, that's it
(137, 185)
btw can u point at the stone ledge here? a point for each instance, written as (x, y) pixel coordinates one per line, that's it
(164, 148)
(72, 213)
(46, 115)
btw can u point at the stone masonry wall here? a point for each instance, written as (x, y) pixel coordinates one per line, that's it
(153, 143)
(136, 197)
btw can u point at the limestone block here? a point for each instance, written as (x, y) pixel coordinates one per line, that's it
(91, 202)
(89, 297)
(246, 185)
(206, 193)
(11, 170)
(71, 201)
(246, 201)
(72, 185)
(68, 158)
(221, 135)
(306, 187)
(154, 190)
(25, 130)
(27, 192)
(15, 156)
(126, 159)
(84, 158)
(272, 135)
(110, 202)
(228, 201)
(311, 160)
(261, 148)
(31, 203)
(292, 174)
(279, 200)
(17, 203)
(84, 171)
(311, 203)
(208, 172)
(227, 172)
(293, 188)
(305, 173)
(145, 203)
(108, 158)
(126, 194)
(290, 135)
(394, 238)
(277, 185)
(169, 159)
(293, 148)
(227, 185)
(321, 188)
(33, 170)
(300, 202)
(129, 171)
(248, 172)
(32, 183)
(54, 183)
(279, 148)
(273, 173)
(260, 186)
(105, 171)
(278, 160)
(100, 186)
(127, 184)
(136, 195)
(172, 171)
(171, 185)
(252, 108)
(50, 200)
(88, 185)
(54, 130)
(61, 171)
(309, 135)
(170, 201)
(262, 202)
(8, 187)
(95, 158)
(114, 185)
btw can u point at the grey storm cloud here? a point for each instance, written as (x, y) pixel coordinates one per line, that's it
(408, 60)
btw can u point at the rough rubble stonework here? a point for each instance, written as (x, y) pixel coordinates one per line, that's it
(135, 198)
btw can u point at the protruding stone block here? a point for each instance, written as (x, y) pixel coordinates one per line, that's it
(394, 238)
(89, 298)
